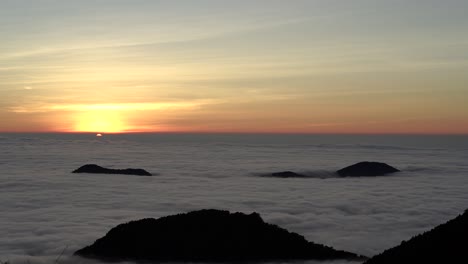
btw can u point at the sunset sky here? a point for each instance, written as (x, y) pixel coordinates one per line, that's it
(361, 66)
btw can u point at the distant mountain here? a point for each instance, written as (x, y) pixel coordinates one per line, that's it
(93, 168)
(367, 168)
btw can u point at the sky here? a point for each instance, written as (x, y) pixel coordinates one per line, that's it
(264, 66)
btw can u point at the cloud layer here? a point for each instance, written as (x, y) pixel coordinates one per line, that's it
(47, 209)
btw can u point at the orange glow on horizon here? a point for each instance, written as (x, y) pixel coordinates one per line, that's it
(99, 121)
(207, 117)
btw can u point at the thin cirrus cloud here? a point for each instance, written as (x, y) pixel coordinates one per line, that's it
(108, 107)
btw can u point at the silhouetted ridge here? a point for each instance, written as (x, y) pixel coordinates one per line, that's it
(367, 168)
(93, 168)
(446, 243)
(207, 235)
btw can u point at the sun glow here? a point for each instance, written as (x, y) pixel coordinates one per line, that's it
(99, 121)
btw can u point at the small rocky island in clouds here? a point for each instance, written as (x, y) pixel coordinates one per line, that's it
(360, 169)
(207, 235)
(367, 168)
(93, 168)
(286, 174)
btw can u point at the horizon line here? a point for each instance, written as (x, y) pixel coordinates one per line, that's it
(238, 133)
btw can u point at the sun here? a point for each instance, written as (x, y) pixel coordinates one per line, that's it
(99, 121)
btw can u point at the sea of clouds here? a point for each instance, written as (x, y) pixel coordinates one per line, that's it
(48, 213)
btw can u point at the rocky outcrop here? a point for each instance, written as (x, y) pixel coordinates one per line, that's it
(207, 235)
(286, 174)
(445, 243)
(93, 168)
(367, 168)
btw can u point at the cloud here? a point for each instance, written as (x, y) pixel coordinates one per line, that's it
(41, 108)
(45, 208)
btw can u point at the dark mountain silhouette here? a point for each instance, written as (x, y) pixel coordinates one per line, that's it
(446, 243)
(93, 168)
(209, 236)
(367, 168)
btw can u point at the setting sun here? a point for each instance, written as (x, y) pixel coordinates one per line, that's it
(99, 121)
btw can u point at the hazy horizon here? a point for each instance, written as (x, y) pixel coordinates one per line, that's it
(233, 133)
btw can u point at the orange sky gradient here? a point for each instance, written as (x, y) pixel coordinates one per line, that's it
(370, 67)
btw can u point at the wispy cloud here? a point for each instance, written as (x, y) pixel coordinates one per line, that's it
(41, 108)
